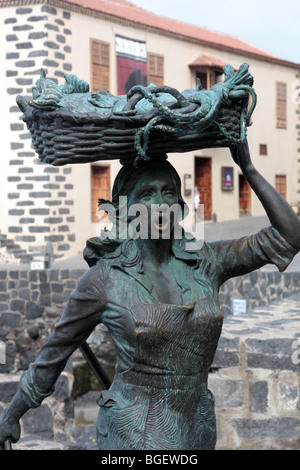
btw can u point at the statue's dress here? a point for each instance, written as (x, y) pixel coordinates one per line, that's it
(159, 397)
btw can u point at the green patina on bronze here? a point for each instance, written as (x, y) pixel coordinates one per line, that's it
(69, 124)
(157, 297)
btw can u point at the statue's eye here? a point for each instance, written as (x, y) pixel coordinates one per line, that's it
(146, 195)
(170, 192)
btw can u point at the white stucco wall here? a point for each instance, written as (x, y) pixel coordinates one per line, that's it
(282, 144)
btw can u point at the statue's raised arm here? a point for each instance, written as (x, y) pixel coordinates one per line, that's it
(280, 213)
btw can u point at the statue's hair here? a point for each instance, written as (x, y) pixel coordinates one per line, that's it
(124, 184)
(128, 176)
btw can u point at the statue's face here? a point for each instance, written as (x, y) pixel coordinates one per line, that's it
(157, 192)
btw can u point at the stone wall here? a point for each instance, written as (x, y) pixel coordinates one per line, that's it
(255, 379)
(39, 202)
(30, 302)
(258, 288)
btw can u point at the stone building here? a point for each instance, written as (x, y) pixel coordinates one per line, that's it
(89, 38)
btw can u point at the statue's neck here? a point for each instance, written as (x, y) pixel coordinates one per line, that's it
(155, 252)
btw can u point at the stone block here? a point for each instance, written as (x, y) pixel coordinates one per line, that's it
(38, 18)
(11, 37)
(11, 319)
(258, 392)
(38, 421)
(274, 353)
(33, 310)
(288, 396)
(8, 386)
(17, 305)
(23, 11)
(3, 286)
(57, 287)
(63, 386)
(227, 354)
(25, 63)
(269, 430)
(228, 393)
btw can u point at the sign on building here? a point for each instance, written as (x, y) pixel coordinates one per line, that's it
(131, 63)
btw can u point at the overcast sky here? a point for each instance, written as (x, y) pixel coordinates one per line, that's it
(272, 25)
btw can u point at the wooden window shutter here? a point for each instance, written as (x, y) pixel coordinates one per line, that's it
(155, 69)
(281, 105)
(263, 149)
(100, 65)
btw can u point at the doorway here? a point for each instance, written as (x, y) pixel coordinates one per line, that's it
(244, 196)
(100, 188)
(203, 180)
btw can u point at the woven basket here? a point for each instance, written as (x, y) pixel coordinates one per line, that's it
(61, 138)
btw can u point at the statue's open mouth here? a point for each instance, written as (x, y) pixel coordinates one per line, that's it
(161, 227)
(162, 223)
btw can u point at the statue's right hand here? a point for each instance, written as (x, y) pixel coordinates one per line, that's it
(10, 430)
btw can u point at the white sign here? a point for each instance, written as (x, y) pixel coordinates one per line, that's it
(131, 48)
(37, 265)
(239, 306)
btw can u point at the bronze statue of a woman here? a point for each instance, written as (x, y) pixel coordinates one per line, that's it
(160, 304)
(157, 296)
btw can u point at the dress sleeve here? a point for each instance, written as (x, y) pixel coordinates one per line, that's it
(243, 255)
(82, 313)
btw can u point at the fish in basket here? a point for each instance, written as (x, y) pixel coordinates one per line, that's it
(69, 124)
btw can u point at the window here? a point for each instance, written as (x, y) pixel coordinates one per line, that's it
(100, 187)
(280, 185)
(281, 105)
(202, 76)
(209, 76)
(100, 65)
(263, 149)
(155, 69)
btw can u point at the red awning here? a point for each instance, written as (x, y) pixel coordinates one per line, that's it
(208, 61)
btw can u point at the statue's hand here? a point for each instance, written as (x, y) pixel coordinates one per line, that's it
(241, 154)
(9, 429)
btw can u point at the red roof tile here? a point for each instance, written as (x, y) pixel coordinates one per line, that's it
(128, 11)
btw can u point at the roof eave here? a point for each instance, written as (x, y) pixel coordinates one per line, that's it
(213, 45)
